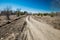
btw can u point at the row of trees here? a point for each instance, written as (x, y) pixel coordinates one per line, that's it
(7, 12)
(52, 14)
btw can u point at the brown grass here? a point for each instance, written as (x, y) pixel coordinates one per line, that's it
(54, 21)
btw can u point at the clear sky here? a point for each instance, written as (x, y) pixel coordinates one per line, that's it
(32, 5)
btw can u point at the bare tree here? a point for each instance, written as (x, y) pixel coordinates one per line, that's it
(7, 13)
(25, 12)
(18, 12)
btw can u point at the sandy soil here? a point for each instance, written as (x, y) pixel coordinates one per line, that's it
(13, 31)
(40, 30)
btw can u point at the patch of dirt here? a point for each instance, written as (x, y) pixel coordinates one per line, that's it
(12, 30)
(4, 20)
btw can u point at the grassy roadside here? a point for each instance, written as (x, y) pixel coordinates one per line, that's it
(54, 21)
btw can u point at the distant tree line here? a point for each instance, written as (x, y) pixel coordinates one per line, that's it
(52, 14)
(10, 12)
(7, 12)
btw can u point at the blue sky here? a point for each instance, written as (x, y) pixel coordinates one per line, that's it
(31, 5)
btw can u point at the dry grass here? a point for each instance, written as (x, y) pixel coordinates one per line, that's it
(54, 21)
(4, 20)
(13, 30)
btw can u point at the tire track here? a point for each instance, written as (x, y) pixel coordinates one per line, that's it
(45, 31)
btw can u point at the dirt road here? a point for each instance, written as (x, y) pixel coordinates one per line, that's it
(41, 31)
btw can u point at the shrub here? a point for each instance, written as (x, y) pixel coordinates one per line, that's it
(45, 14)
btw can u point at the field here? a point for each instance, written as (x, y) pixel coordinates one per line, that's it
(29, 27)
(10, 31)
(54, 21)
(4, 20)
